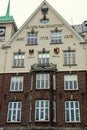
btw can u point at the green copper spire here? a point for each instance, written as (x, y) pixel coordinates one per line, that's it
(7, 17)
(8, 9)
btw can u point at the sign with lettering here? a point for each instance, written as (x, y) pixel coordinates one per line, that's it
(44, 26)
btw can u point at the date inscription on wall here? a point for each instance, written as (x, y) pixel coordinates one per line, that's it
(68, 36)
(20, 39)
(44, 38)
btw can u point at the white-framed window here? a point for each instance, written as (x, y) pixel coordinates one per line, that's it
(32, 38)
(54, 111)
(43, 58)
(54, 81)
(69, 58)
(56, 37)
(14, 112)
(70, 82)
(42, 110)
(42, 81)
(16, 83)
(72, 111)
(18, 60)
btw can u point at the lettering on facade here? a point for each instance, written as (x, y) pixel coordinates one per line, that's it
(44, 26)
(68, 36)
(44, 38)
(20, 39)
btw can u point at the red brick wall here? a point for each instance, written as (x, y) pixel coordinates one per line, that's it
(31, 95)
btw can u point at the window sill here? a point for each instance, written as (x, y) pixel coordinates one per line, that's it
(70, 90)
(73, 122)
(42, 121)
(31, 44)
(42, 89)
(18, 66)
(69, 64)
(14, 122)
(16, 91)
(56, 43)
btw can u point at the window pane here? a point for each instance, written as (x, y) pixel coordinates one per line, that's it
(37, 114)
(77, 115)
(37, 104)
(71, 85)
(9, 115)
(18, 115)
(72, 115)
(67, 115)
(46, 115)
(67, 104)
(66, 84)
(76, 105)
(71, 105)
(42, 114)
(75, 84)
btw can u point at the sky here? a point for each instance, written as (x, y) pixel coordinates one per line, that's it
(73, 11)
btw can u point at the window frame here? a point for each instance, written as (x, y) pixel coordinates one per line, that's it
(42, 78)
(14, 109)
(56, 37)
(43, 58)
(33, 37)
(42, 110)
(69, 59)
(72, 110)
(71, 81)
(18, 60)
(16, 80)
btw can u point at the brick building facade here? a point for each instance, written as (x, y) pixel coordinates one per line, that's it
(43, 73)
